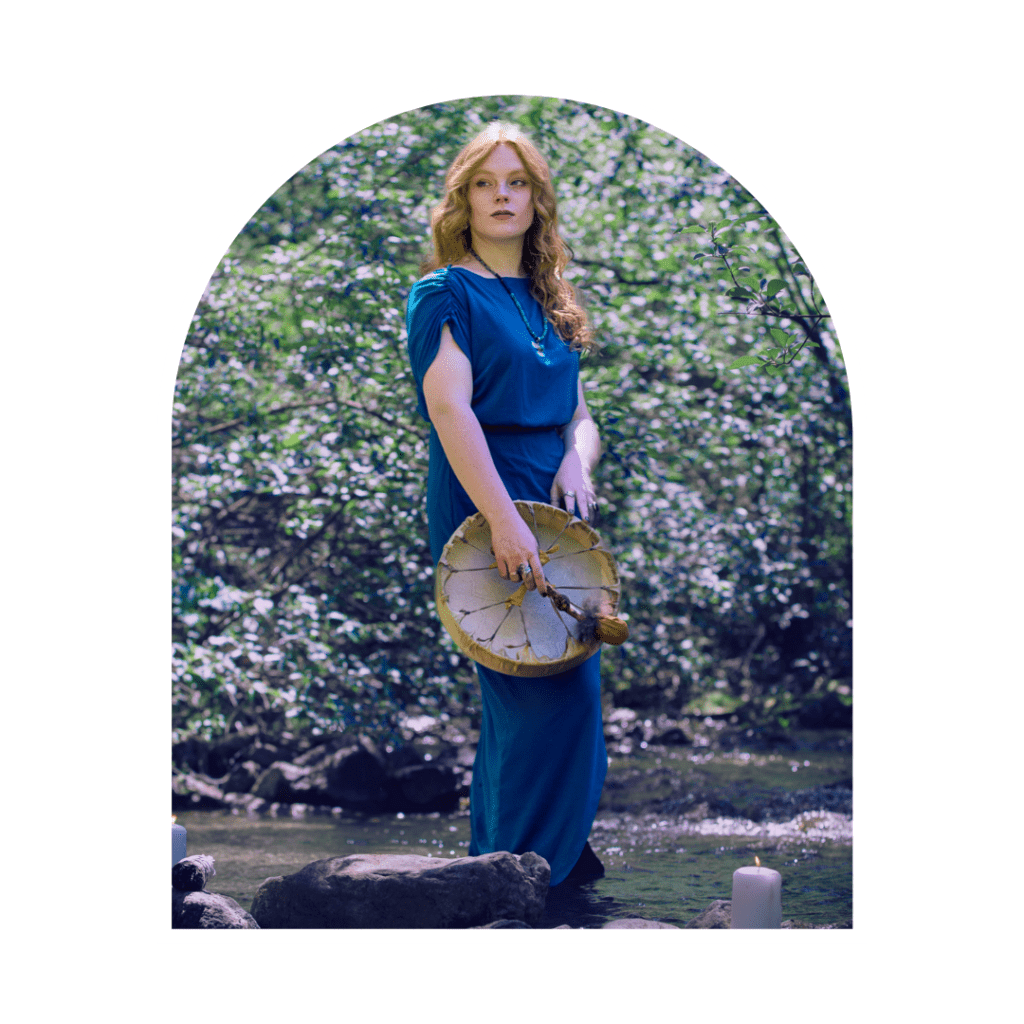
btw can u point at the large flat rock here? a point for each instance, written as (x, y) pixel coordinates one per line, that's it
(406, 891)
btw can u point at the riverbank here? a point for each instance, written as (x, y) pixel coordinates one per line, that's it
(675, 820)
(685, 802)
(662, 867)
(676, 766)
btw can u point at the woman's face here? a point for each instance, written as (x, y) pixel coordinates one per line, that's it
(500, 196)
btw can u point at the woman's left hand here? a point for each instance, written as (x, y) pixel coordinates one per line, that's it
(572, 488)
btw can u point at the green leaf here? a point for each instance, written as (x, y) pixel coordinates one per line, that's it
(771, 353)
(779, 335)
(739, 293)
(694, 229)
(774, 371)
(713, 704)
(292, 441)
(743, 361)
(774, 287)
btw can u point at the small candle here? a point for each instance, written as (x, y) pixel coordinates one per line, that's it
(178, 837)
(756, 897)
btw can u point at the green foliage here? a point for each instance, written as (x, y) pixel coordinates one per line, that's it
(303, 585)
(758, 293)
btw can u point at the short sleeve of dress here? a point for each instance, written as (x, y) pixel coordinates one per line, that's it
(434, 301)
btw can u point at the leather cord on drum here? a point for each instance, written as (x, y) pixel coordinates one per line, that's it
(607, 629)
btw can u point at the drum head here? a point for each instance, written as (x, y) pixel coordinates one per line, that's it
(532, 638)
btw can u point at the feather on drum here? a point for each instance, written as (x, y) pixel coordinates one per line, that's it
(510, 629)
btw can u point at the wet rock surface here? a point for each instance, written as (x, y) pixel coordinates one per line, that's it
(194, 791)
(431, 770)
(426, 773)
(207, 910)
(191, 874)
(193, 907)
(637, 923)
(406, 891)
(718, 914)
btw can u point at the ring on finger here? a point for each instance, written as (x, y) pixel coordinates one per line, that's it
(524, 570)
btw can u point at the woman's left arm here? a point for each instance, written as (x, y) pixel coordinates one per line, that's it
(582, 452)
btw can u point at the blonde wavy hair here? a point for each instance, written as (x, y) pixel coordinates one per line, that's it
(545, 255)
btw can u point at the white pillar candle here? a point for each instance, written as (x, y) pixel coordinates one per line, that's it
(178, 838)
(756, 897)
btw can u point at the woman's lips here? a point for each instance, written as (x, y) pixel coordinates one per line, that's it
(503, 213)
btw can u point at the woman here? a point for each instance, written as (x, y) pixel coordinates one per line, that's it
(500, 387)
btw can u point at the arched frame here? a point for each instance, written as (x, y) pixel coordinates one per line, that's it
(555, 90)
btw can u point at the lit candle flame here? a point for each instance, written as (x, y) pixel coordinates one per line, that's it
(757, 860)
(174, 818)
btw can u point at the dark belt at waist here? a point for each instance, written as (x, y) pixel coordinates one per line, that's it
(514, 428)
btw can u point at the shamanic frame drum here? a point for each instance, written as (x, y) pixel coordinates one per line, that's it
(505, 627)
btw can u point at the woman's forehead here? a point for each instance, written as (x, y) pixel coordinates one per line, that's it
(502, 159)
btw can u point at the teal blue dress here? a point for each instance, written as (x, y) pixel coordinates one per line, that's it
(541, 760)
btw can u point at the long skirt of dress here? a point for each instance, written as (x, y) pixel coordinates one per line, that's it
(541, 760)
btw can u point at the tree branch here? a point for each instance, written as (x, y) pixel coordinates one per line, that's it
(384, 417)
(279, 569)
(618, 274)
(220, 427)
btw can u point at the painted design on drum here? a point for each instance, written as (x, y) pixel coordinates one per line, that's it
(508, 628)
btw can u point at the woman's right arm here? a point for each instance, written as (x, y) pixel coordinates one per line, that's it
(448, 392)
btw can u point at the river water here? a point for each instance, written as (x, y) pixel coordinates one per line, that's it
(666, 855)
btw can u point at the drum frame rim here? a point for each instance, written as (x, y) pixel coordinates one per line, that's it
(482, 655)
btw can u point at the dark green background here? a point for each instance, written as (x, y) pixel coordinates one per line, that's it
(134, 135)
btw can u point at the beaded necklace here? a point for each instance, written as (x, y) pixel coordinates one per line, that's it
(538, 339)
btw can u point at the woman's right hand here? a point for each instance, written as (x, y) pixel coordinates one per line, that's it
(514, 544)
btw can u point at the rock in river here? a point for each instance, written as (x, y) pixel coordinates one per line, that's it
(192, 791)
(191, 874)
(275, 782)
(717, 914)
(406, 891)
(241, 778)
(426, 785)
(356, 775)
(637, 922)
(207, 910)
